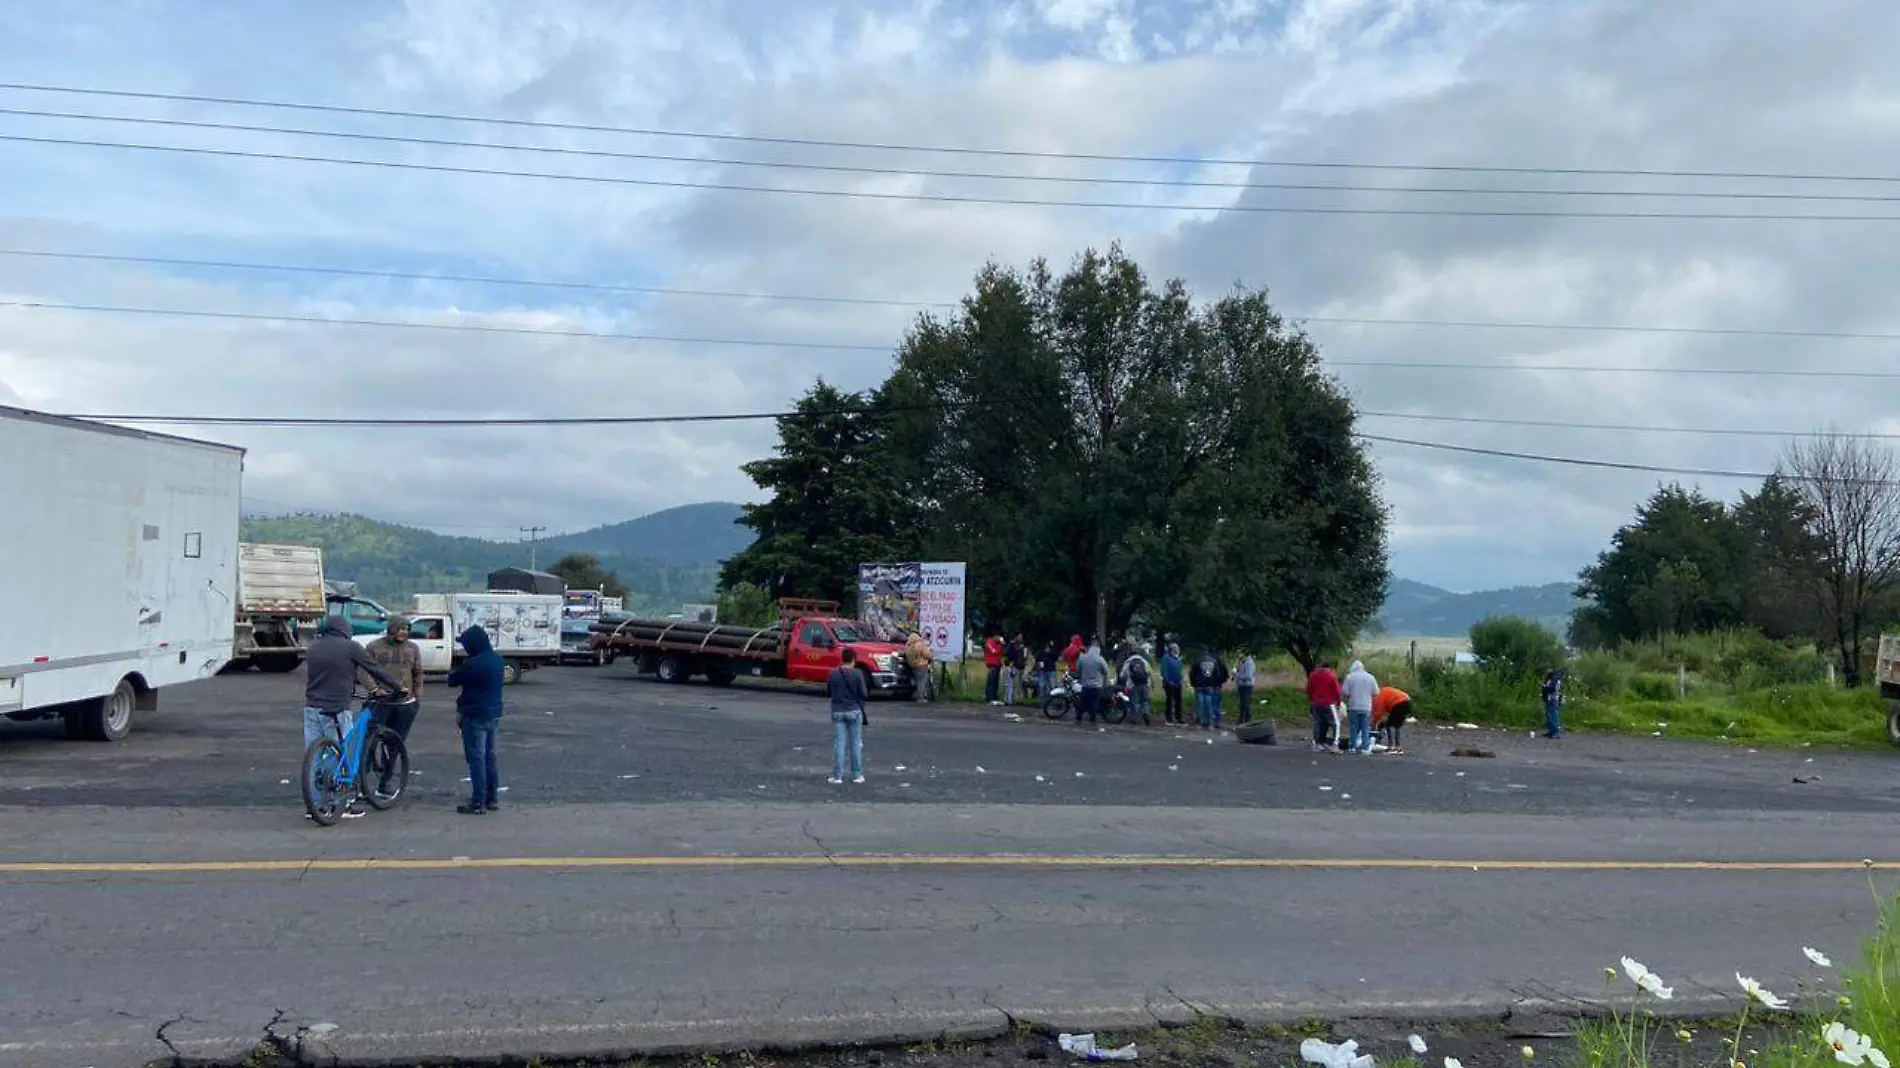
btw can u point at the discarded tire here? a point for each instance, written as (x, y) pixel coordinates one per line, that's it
(1256, 732)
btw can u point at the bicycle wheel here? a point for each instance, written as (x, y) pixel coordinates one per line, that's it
(322, 796)
(1114, 709)
(386, 770)
(1057, 706)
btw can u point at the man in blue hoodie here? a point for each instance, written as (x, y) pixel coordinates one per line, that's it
(478, 714)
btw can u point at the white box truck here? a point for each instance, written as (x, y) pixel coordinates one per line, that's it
(118, 568)
(280, 605)
(525, 628)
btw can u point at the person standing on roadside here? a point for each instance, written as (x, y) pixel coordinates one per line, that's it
(1015, 669)
(1207, 676)
(1553, 703)
(1390, 710)
(1172, 672)
(1046, 671)
(1072, 653)
(478, 716)
(1243, 687)
(993, 667)
(917, 657)
(395, 652)
(1322, 696)
(1091, 669)
(330, 667)
(849, 696)
(1360, 688)
(1135, 679)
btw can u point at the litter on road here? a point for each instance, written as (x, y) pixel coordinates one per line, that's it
(1084, 1046)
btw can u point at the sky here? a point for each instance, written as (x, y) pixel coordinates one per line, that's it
(1732, 87)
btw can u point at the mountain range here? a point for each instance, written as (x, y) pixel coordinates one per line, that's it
(672, 557)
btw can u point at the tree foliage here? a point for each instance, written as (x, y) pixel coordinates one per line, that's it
(582, 571)
(1851, 489)
(1097, 449)
(1681, 566)
(747, 604)
(1515, 649)
(835, 501)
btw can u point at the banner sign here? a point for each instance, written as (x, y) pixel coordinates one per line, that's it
(925, 597)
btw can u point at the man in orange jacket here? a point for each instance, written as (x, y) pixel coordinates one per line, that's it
(1391, 707)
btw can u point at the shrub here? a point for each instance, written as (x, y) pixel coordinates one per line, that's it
(1653, 686)
(1514, 648)
(1600, 675)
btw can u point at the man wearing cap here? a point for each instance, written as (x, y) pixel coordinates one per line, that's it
(396, 654)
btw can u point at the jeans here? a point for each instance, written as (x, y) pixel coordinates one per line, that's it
(1244, 696)
(1553, 717)
(318, 724)
(1361, 720)
(1322, 724)
(1207, 707)
(1010, 675)
(478, 748)
(847, 744)
(1171, 702)
(923, 686)
(1089, 703)
(1045, 684)
(992, 682)
(1138, 709)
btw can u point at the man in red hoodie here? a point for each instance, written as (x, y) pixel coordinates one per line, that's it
(993, 661)
(1322, 694)
(1074, 652)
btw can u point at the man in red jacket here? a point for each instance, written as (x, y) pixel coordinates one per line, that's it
(1322, 695)
(1073, 653)
(993, 660)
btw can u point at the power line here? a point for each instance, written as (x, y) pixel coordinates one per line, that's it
(451, 422)
(605, 335)
(947, 198)
(603, 287)
(1548, 424)
(925, 172)
(1573, 461)
(813, 142)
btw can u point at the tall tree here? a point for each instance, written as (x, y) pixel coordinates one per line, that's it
(1784, 567)
(1681, 566)
(1852, 489)
(1099, 448)
(834, 504)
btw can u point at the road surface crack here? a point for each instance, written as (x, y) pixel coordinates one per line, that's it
(820, 843)
(178, 1057)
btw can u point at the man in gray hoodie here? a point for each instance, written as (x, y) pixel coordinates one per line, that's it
(1091, 670)
(330, 667)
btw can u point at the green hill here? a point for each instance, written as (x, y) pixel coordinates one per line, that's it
(693, 535)
(391, 563)
(1416, 610)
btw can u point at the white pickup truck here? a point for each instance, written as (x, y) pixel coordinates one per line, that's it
(525, 629)
(1887, 677)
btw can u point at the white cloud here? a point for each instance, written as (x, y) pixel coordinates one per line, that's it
(1597, 83)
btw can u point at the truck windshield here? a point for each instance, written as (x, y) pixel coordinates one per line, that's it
(849, 632)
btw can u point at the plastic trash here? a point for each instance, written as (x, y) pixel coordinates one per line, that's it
(1084, 1046)
(1467, 726)
(1418, 1045)
(981, 770)
(1344, 1055)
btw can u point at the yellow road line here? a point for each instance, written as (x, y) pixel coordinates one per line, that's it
(940, 860)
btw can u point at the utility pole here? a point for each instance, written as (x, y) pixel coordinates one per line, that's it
(534, 538)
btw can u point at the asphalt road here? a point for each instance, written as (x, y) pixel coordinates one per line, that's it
(671, 869)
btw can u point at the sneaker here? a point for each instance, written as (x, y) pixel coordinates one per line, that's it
(353, 812)
(492, 805)
(859, 780)
(835, 781)
(471, 810)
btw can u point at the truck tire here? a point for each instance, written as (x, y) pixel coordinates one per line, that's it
(1893, 723)
(671, 668)
(721, 674)
(278, 665)
(510, 673)
(109, 719)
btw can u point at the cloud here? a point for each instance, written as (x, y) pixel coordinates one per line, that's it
(1425, 82)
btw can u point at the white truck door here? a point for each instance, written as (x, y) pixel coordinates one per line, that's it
(431, 635)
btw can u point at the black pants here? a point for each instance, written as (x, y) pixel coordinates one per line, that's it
(1171, 710)
(1322, 724)
(992, 684)
(1089, 703)
(1245, 700)
(400, 718)
(1395, 721)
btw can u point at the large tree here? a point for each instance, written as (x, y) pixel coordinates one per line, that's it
(835, 502)
(1851, 486)
(1785, 555)
(1681, 566)
(1098, 448)
(582, 571)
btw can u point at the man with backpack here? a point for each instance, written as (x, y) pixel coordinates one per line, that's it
(1207, 676)
(1134, 679)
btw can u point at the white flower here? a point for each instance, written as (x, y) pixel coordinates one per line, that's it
(1418, 1045)
(1819, 958)
(1849, 1045)
(1647, 981)
(1528, 1053)
(1760, 993)
(1877, 1058)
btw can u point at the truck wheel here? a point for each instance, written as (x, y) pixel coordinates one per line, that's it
(278, 665)
(109, 719)
(607, 659)
(510, 673)
(721, 676)
(1893, 723)
(672, 668)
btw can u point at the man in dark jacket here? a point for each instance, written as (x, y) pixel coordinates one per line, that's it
(1207, 676)
(330, 667)
(478, 714)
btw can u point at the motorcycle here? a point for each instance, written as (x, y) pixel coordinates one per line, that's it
(1067, 697)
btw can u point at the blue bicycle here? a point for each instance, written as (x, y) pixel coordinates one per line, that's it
(334, 775)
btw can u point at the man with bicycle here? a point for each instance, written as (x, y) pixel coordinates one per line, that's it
(330, 667)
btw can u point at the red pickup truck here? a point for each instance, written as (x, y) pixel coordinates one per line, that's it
(808, 640)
